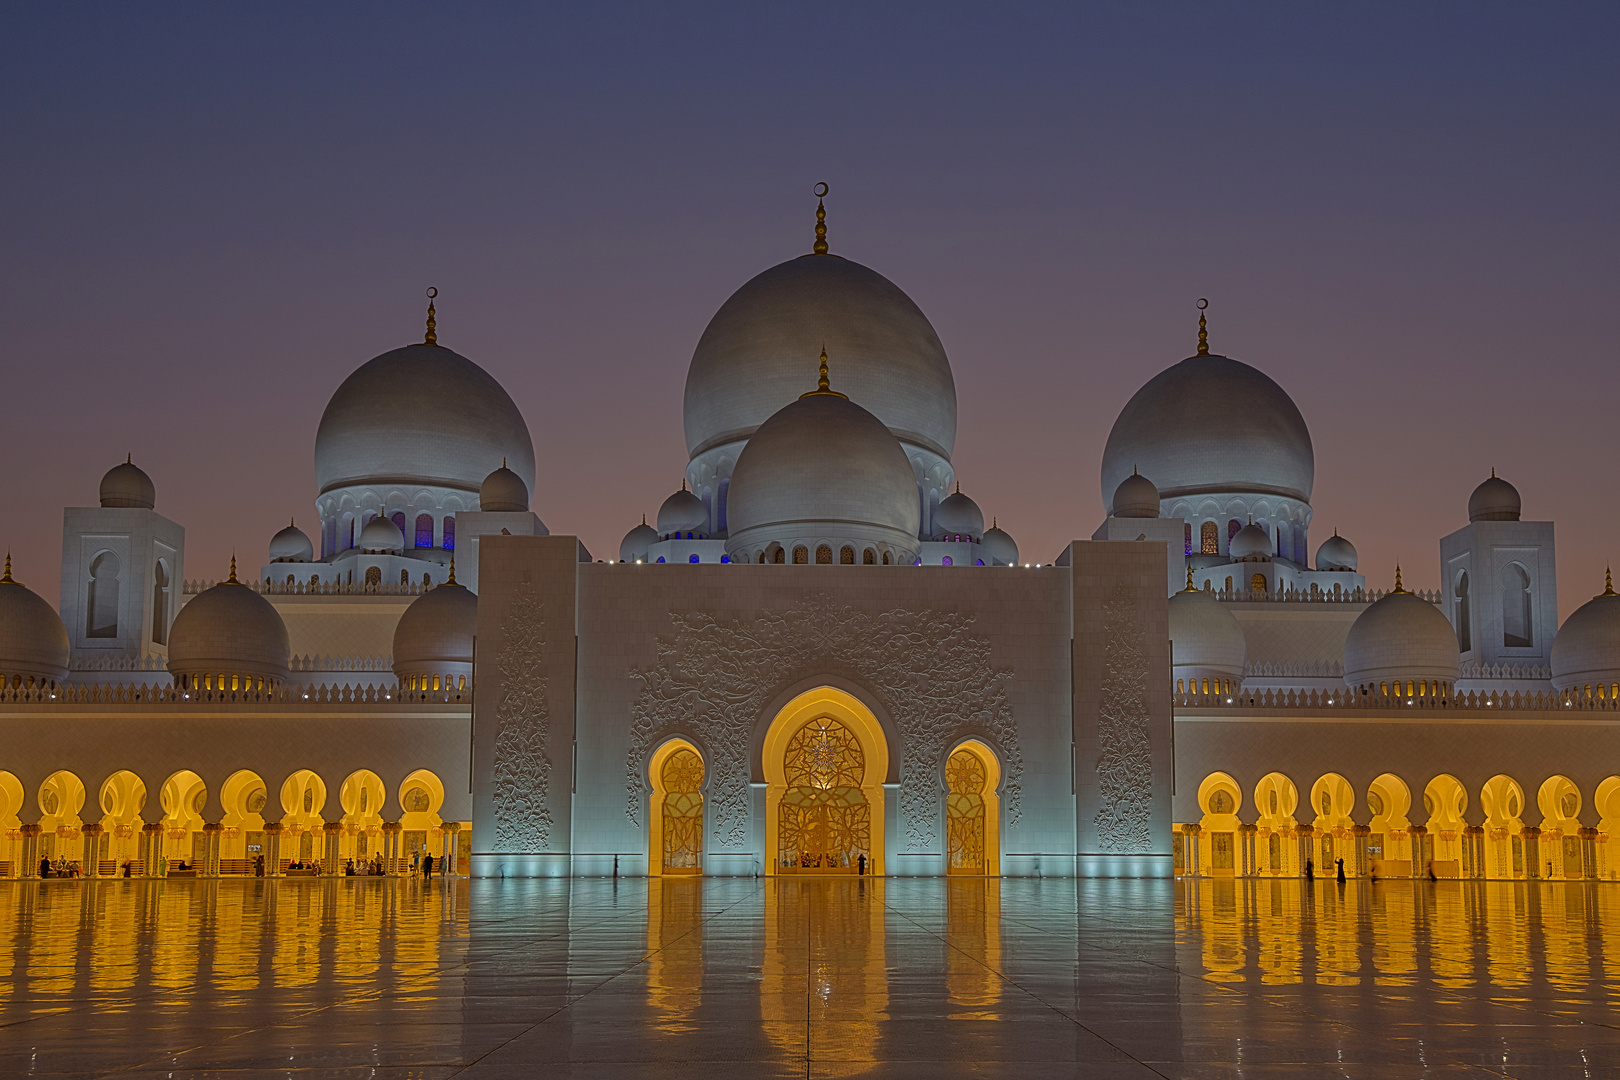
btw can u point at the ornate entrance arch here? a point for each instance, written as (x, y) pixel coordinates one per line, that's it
(675, 825)
(825, 757)
(972, 810)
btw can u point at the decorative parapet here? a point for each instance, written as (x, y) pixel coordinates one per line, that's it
(1479, 702)
(1309, 596)
(1473, 669)
(341, 663)
(92, 662)
(270, 587)
(1318, 669)
(295, 694)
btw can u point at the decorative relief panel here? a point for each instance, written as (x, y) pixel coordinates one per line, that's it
(522, 771)
(714, 678)
(1125, 764)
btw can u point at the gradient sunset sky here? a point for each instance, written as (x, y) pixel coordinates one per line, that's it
(1405, 214)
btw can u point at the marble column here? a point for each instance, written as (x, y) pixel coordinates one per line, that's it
(1362, 864)
(30, 851)
(1532, 852)
(1194, 866)
(210, 860)
(272, 849)
(391, 838)
(151, 848)
(1589, 837)
(1247, 837)
(331, 866)
(89, 860)
(452, 846)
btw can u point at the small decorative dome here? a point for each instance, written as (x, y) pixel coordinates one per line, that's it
(958, 515)
(633, 548)
(683, 512)
(381, 537)
(291, 545)
(1206, 641)
(1136, 497)
(128, 485)
(1002, 549)
(1336, 553)
(823, 468)
(503, 492)
(1250, 543)
(33, 642)
(226, 633)
(1401, 638)
(1586, 651)
(435, 635)
(1494, 500)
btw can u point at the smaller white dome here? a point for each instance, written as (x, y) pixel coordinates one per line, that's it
(1336, 553)
(381, 536)
(1001, 546)
(127, 486)
(1206, 640)
(503, 492)
(228, 631)
(1136, 497)
(435, 635)
(1494, 500)
(1250, 542)
(1587, 648)
(1400, 638)
(682, 512)
(633, 548)
(958, 515)
(291, 545)
(34, 644)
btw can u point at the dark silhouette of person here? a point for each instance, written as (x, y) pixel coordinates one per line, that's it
(1310, 870)
(1341, 870)
(1432, 876)
(258, 866)
(860, 862)
(427, 866)
(45, 867)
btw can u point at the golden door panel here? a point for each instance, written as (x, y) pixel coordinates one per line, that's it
(965, 813)
(682, 777)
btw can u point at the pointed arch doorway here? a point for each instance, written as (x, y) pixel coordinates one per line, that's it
(675, 832)
(825, 757)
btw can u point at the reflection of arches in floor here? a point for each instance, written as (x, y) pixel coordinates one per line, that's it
(824, 758)
(972, 810)
(675, 820)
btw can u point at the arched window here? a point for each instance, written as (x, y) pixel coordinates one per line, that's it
(1209, 539)
(868, 558)
(779, 556)
(424, 530)
(885, 558)
(1257, 584)
(1465, 636)
(373, 576)
(398, 518)
(823, 555)
(449, 534)
(1186, 535)
(801, 555)
(946, 561)
(692, 558)
(404, 577)
(846, 556)
(101, 618)
(160, 603)
(1516, 632)
(1232, 528)
(1228, 585)
(720, 500)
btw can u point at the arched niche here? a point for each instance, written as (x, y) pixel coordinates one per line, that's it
(845, 718)
(676, 774)
(972, 811)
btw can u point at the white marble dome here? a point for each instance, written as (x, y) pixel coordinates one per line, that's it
(127, 485)
(1211, 425)
(230, 631)
(435, 634)
(34, 645)
(1336, 553)
(1206, 641)
(381, 536)
(420, 415)
(750, 361)
(1586, 651)
(1401, 638)
(823, 470)
(633, 548)
(1135, 497)
(1250, 543)
(503, 492)
(291, 545)
(683, 512)
(958, 515)
(1494, 500)
(1003, 549)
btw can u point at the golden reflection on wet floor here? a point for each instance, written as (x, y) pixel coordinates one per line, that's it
(808, 977)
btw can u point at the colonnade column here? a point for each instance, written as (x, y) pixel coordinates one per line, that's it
(452, 847)
(1532, 852)
(30, 852)
(1303, 837)
(90, 859)
(272, 849)
(1420, 847)
(212, 831)
(1589, 837)
(1194, 869)
(1247, 835)
(1360, 833)
(333, 830)
(391, 838)
(151, 848)
(1473, 851)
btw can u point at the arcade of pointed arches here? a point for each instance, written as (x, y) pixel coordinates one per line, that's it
(1386, 832)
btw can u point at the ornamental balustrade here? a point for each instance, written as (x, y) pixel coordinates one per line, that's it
(289, 694)
(1295, 700)
(271, 587)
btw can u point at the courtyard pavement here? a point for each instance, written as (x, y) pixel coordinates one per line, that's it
(807, 977)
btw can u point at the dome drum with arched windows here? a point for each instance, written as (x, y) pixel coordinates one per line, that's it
(228, 638)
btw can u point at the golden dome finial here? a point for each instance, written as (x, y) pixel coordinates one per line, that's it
(820, 247)
(1190, 586)
(232, 578)
(644, 519)
(432, 337)
(1203, 328)
(503, 463)
(1398, 587)
(451, 580)
(993, 523)
(823, 386)
(1608, 578)
(129, 460)
(7, 578)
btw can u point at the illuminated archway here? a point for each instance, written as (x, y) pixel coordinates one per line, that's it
(1502, 799)
(1606, 801)
(1218, 829)
(972, 810)
(421, 796)
(123, 797)
(1389, 847)
(245, 797)
(1332, 800)
(675, 812)
(824, 759)
(1445, 800)
(183, 797)
(303, 796)
(361, 796)
(1560, 803)
(1275, 799)
(12, 796)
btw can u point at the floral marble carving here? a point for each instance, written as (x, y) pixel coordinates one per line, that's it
(1125, 764)
(522, 771)
(715, 677)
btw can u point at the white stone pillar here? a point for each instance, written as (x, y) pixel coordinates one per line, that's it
(391, 838)
(331, 866)
(90, 848)
(452, 847)
(30, 855)
(272, 849)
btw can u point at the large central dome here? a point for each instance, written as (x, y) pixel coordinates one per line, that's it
(420, 415)
(751, 359)
(1211, 424)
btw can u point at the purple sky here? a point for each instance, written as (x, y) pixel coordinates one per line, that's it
(1406, 215)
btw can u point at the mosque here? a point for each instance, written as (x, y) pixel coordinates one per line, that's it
(815, 660)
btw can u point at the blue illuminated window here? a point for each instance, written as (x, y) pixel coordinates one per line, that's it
(424, 530)
(449, 534)
(694, 558)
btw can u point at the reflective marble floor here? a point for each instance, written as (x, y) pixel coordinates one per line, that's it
(808, 978)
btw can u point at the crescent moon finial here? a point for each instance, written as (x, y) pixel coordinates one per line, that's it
(1202, 303)
(1203, 328)
(432, 293)
(432, 335)
(821, 190)
(820, 246)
